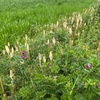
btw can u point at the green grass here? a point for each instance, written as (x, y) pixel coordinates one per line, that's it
(18, 17)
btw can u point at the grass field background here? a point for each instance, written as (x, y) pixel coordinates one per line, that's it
(18, 17)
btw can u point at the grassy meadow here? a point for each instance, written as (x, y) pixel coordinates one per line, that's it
(20, 17)
(49, 50)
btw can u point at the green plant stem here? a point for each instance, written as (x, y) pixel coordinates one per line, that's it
(70, 95)
(4, 94)
(1, 85)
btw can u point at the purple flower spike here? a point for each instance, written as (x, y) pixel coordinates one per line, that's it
(23, 52)
(88, 66)
(23, 57)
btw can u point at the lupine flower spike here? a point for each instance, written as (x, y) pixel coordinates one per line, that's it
(51, 55)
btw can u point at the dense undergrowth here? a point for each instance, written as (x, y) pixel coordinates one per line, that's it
(62, 62)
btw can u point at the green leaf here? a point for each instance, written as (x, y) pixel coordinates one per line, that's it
(79, 97)
(24, 91)
(54, 69)
(40, 94)
(38, 77)
(61, 79)
(98, 93)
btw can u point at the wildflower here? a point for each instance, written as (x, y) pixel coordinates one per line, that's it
(8, 44)
(7, 49)
(23, 52)
(70, 31)
(27, 48)
(48, 41)
(54, 40)
(51, 55)
(26, 43)
(12, 53)
(88, 65)
(44, 59)
(40, 57)
(23, 56)
(11, 74)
